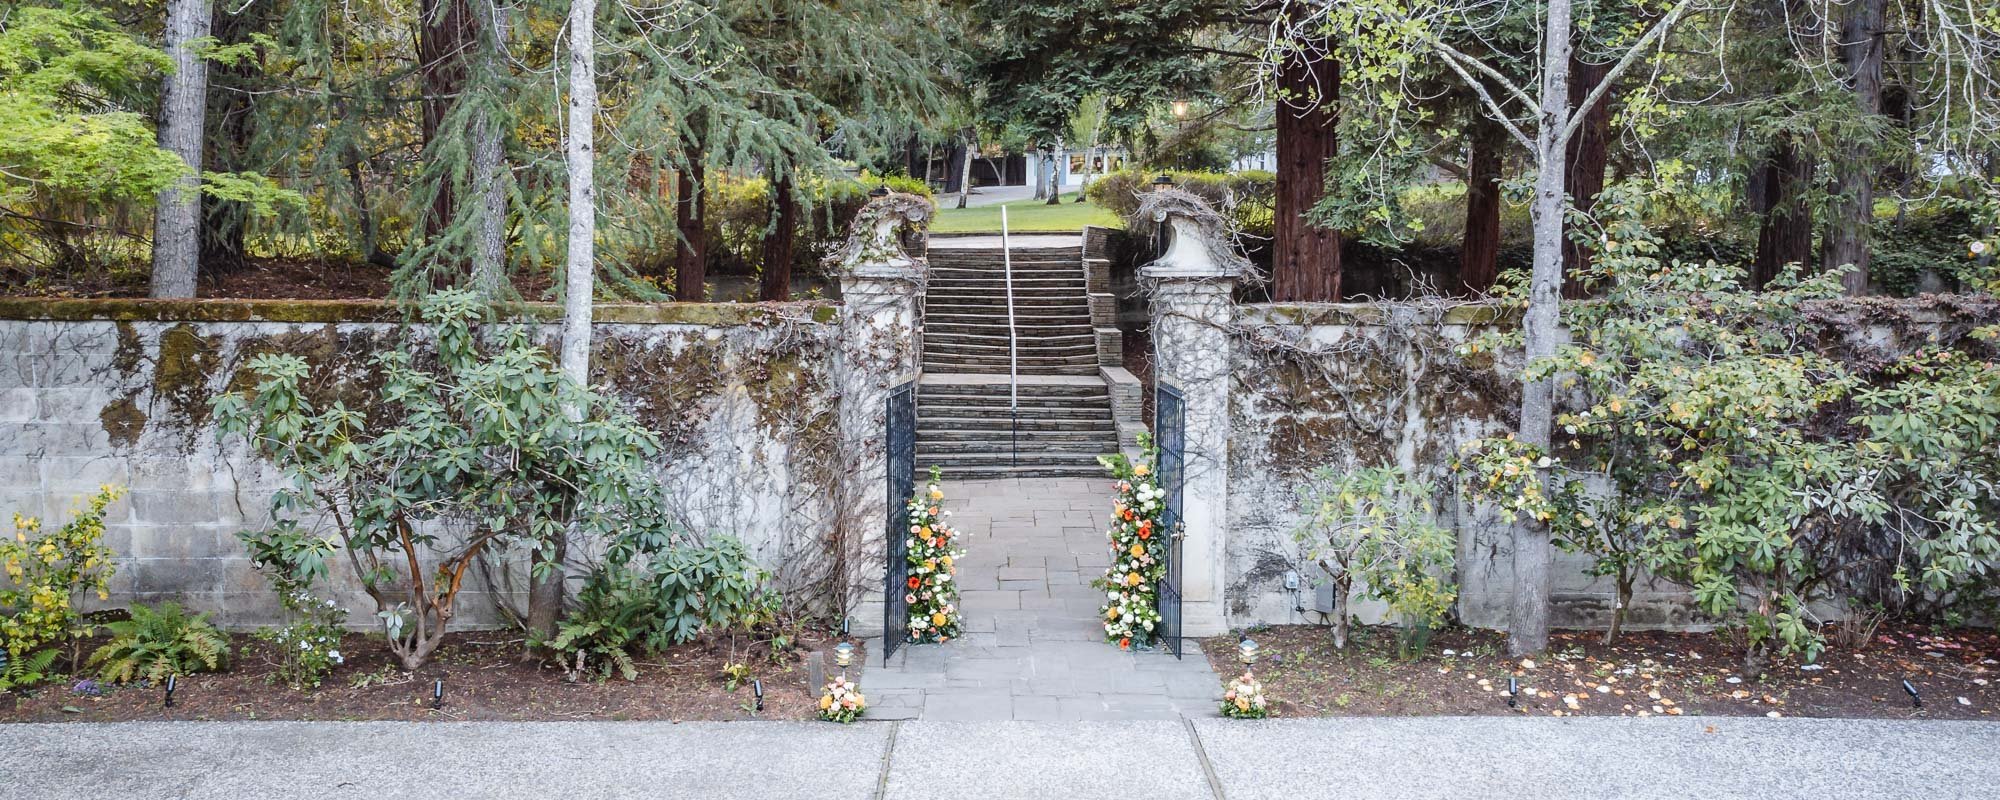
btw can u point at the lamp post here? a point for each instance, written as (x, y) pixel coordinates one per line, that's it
(1246, 652)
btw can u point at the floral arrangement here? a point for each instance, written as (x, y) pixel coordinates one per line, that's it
(1131, 584)
(841, 701)
(933, 555)
(1243, 698)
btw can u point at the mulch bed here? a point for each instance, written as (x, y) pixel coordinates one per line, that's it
(485, 679)
(1465, 672)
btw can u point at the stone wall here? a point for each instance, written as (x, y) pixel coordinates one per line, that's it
(1360, 385)
(748, 399)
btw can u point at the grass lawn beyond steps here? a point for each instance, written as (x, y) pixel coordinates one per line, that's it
(1022, 216)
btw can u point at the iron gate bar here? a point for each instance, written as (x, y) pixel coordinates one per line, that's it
(902, 456)
(1170, 438)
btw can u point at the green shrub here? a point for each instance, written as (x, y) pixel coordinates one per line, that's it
(654, 591)
(157, 642)
(1376, 530)
(470, 450)
(738, 215)
(1247, 198)
(308, 644)
(43, 573)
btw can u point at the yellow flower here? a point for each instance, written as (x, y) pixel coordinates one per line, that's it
(1132, 579)
(825, 702)
(939, 619)
(1137, 550)
(936, 493)
(947, 562)
(1140, 470)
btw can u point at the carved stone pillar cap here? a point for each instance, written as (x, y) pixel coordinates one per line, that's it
(874, 247)
(1199, 242)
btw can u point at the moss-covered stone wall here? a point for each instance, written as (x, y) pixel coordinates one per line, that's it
(96, 392)
(1358, 385)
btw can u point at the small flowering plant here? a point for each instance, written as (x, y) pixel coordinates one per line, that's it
(1243, 698)
(932, 591)
(841, 701)
(307, 647)
(1131, 585)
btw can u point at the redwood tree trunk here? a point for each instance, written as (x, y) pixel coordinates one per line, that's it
(779, 244)
(1785, 232)
(1588, 154)
(691, 253)
(1306, 258)
(1852, 210)
(1479, 258)
(450, 32)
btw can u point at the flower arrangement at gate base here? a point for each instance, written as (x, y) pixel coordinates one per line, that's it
(933, 566)
(1131, 585)
(1243, 698)
(841, 701)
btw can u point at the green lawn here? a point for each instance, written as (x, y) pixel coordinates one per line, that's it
(1022, 215)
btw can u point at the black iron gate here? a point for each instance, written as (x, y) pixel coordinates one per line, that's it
(902, 441)
(1170, 436)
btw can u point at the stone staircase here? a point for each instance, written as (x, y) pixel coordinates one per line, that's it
(1063, 420)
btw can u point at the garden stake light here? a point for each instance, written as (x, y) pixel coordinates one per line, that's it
(1246, 652)
(843, 654)
(757, 691)
(1916, 700)
(1513, 689)
(172, 683)
(437, 694)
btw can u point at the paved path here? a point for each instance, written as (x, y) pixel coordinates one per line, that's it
(1034, 648)
(1378, 758)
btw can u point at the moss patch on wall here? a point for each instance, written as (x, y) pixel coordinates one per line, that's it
(184, 373)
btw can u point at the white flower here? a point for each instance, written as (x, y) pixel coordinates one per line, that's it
(334, 656)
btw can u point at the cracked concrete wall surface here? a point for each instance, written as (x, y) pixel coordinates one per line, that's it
(747, 399)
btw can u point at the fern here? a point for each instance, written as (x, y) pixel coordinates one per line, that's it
(156, 643)
(25, 671)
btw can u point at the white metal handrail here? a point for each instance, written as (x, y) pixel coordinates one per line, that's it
(1013, 347)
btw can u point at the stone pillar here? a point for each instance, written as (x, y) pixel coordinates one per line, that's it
(880, 286)
(1192, 290)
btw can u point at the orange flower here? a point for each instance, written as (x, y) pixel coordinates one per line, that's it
(1125, 644)
(914, 583)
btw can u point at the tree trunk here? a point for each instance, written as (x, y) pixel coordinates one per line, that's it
(231, 88)
(1342, 613)
(1589, 155)
(1306, 258)
(449, 34)
(691, 252)
(1041, 173)
(184, 101)
(1623, 583)
(489, 162)
(1785, 229)
(1055, 174)
(1528, 631)
(545, 595)
(1479, 258)
(965, 165)
(780, 243)
(1851, 212)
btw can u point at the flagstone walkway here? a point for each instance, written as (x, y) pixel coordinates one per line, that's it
(1033, 648)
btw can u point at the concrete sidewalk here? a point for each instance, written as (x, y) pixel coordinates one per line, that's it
(1290, 759)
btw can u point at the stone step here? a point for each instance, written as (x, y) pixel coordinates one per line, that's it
(983, 473)
(999, 347)
(983, 369)
(1076, 393)
(962, 254)
(1001, 422)
(999, 338)
(1036, 300)
(1025, 441)
(1004, 458)
(1050, 271)
(941, 404)
(1041, 438)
